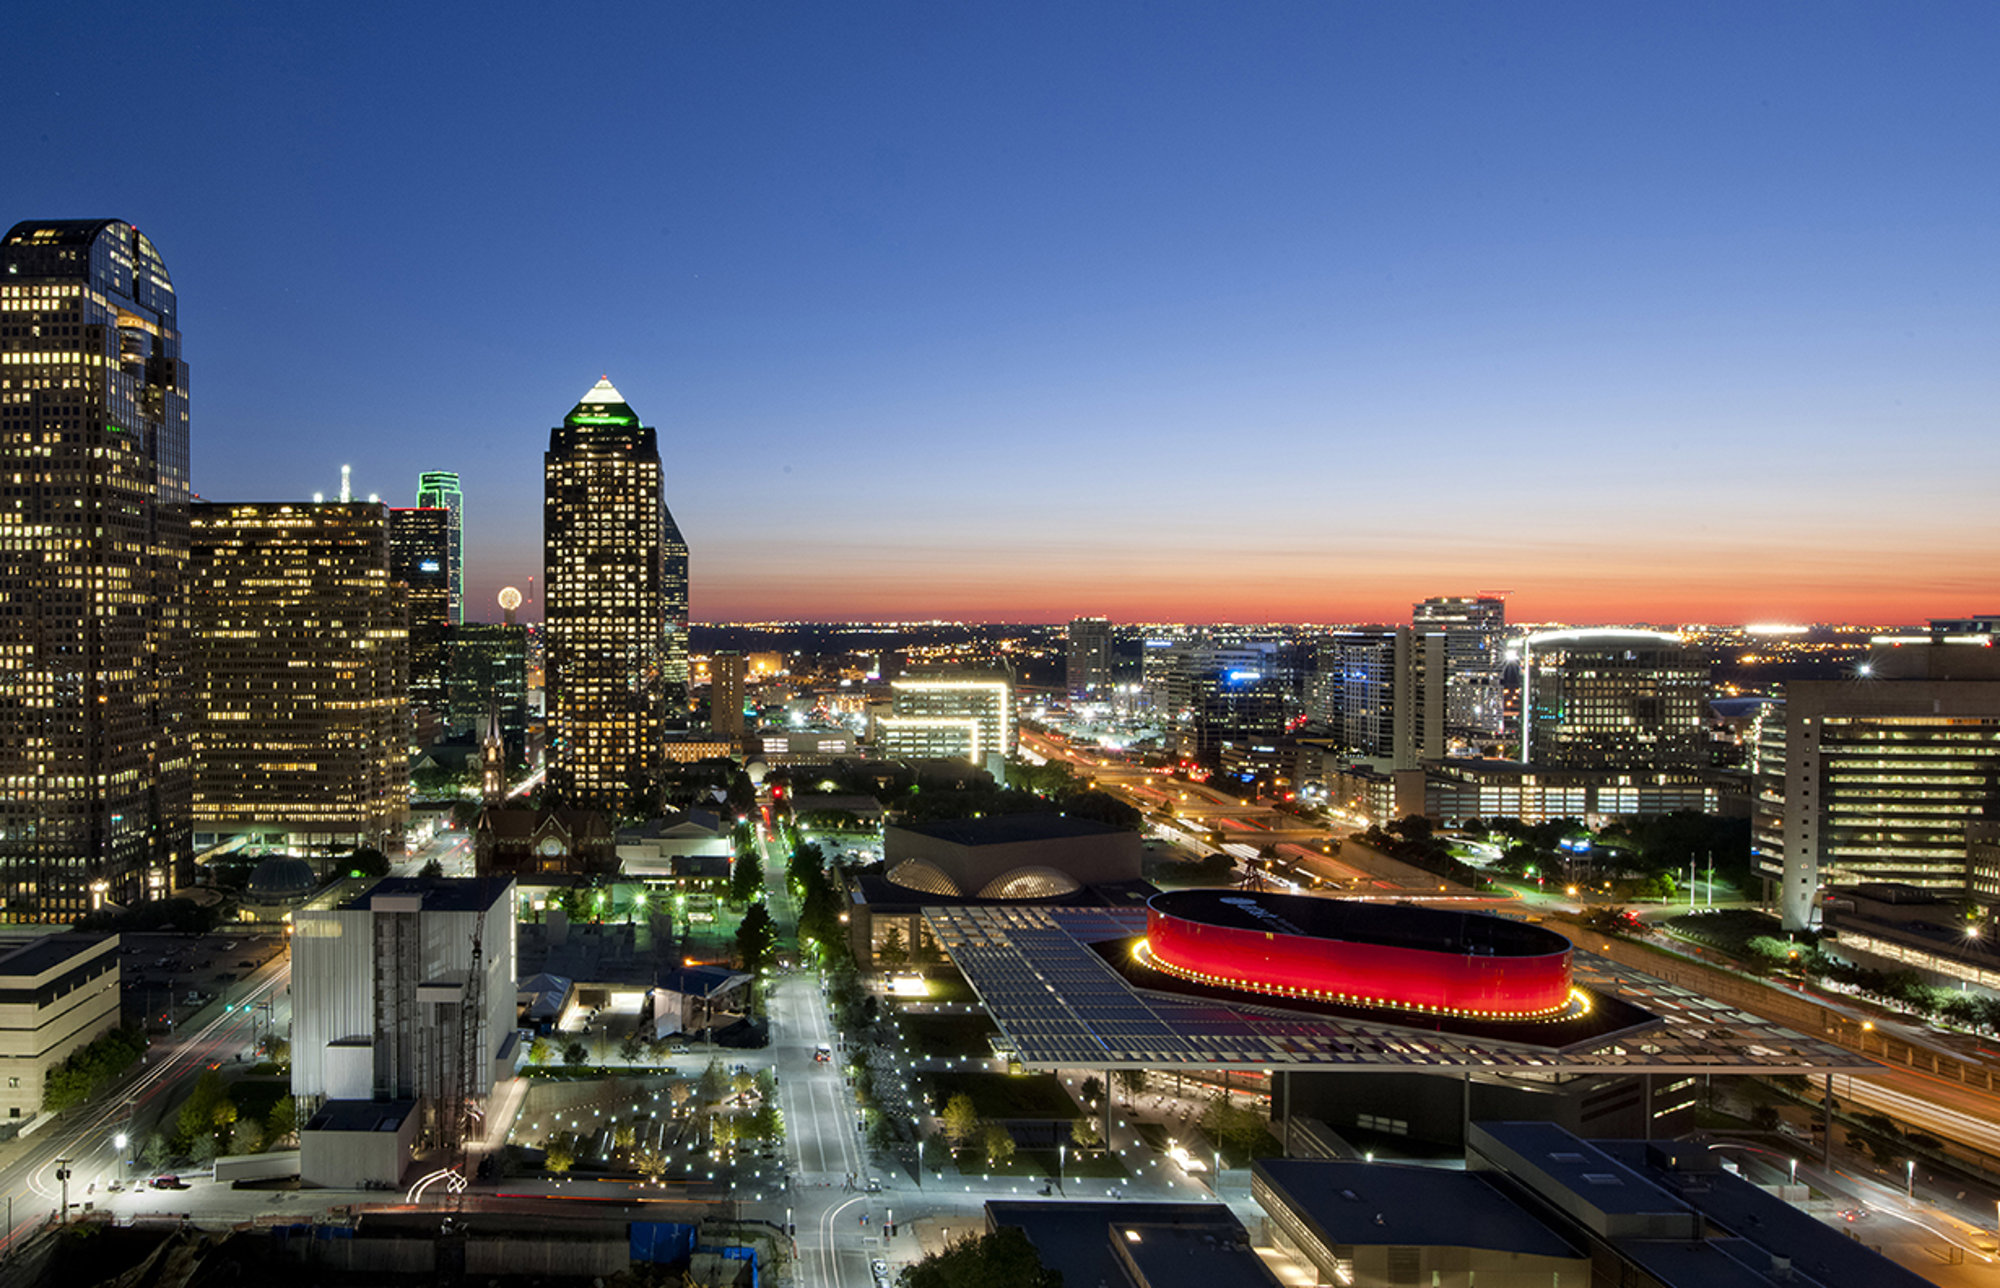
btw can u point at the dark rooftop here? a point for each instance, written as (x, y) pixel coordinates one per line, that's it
(1074, 1237)
(1383, 1203)
(1009, 829)
(361, 1115)
(28, 958)
(440, 894)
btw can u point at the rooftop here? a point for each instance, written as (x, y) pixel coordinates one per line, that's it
(45, 952)
(1074, 1237)
(1382, 1203)
(439, 894)
(361, 1115)
(1008, 829)
(1041, 978)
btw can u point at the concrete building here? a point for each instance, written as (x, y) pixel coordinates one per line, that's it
(663, 847)
(1087, 662)
(1539, 1207)
(948, 715)
(300, 731)
(1009, 855)
(1458, 789)
(406, 993)
(606, 619)
(57, 992)
(93, 624)
(359, 1144)
(1605, 698)
(1475, 631)
(419, 558)
(813, 745)
(1882, 778)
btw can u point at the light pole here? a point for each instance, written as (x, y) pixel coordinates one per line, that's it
(1910, 1178)
(1062, 1155)
(1795, 1171)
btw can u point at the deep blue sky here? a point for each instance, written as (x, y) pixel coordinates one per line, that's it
(1242, 311)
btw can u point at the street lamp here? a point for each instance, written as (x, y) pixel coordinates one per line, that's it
(1062, 1155)
(1910, 1175)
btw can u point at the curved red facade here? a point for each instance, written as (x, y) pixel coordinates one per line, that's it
(1408, 958)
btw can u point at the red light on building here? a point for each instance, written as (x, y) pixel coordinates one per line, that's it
(1329, 950)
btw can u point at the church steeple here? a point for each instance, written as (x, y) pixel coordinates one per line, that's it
(492, 758)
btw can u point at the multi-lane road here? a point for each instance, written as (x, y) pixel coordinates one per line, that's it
(89, 1137)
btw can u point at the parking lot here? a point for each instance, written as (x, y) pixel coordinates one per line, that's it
(168, 977)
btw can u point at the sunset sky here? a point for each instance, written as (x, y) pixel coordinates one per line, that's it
(1160, 311)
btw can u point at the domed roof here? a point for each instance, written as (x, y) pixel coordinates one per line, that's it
(282, 877)
(1033, 882)
(921, 875)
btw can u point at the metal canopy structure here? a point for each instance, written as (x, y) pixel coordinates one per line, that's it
(1061, 1006)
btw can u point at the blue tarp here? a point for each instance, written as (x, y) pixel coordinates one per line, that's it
(745, 1253)
(661, 1242)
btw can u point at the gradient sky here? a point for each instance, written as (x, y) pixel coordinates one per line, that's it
(1165, 311)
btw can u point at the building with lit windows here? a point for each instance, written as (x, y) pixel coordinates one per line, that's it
(605, 613)
(674, 592)
(438, 490)
(1088, 659)
(1380, 692)
(489, 671)
(58, 992)
(726, 675)
(948, 715)
(1475, 631)
(1613, 699)
(94, 541)
(298, 674)
(419, 557)
(1883, 778)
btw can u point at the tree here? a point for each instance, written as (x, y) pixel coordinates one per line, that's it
(999, 1143)
(893, 951)
(1092, 1091)
(961, 1120)
(157, 1153)
(756, 936)
(280, 1050)
(368, 861)
(541, 1051)
(746, 876)
(742, 1083)
(431, 871)
(624, 1136)
(714, 1082)
(283, 1123)
(722, 1131)
(559, 1154)
(1002, 1259)
(247, 1137)
(1084, 1134)
(574, 1052)
(631, 1048)
(1130, 1081)
(650, 1162)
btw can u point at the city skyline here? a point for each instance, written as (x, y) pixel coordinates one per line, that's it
(1298, 314)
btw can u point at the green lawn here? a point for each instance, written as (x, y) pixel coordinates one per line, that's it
(1006, 1095)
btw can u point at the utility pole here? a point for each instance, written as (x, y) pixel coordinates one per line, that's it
(62, 1174)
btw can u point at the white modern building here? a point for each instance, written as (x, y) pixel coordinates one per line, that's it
(406, 993)
(949, 715)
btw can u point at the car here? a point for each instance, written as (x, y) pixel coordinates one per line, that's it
(1853, 1214)
(168, 1181)
(246, 964)
(823, 1053)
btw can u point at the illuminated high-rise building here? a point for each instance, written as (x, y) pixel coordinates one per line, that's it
(299, 671)
(438, 489)
(1088, 658)
(727, 672)
(419, 557)
(605, 612)
(489, 673)
(94, 541)
(1606, 698)
(1475, 631)
(674, 590)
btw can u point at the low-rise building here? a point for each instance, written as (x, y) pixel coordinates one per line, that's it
(57, 992)
(519, 842)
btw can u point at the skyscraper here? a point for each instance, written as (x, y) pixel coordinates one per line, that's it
(726, 674)
(489, 671)
(420, 541)
(674, 591)
(438, 489)
(605, 613)
(1089, 658)
(94, 545)
(1475, 630)
(298, 674)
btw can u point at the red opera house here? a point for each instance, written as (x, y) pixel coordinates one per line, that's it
(1360, 954)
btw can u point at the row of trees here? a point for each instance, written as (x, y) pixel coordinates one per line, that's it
(91, 1068)
(210, 1124)
(820, 901)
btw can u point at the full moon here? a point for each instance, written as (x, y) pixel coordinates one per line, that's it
(510, 599)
